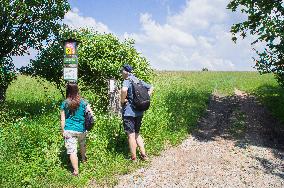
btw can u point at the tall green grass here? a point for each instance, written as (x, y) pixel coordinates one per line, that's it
(32, 150)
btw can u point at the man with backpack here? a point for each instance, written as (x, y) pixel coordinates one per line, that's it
(135, 99)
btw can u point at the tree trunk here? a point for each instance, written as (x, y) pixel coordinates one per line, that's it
(2, 95)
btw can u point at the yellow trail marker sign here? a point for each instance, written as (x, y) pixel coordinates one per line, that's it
(68, 51)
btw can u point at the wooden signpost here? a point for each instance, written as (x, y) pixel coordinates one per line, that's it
(114, 97)
(70, 70)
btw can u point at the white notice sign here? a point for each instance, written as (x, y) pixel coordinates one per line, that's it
(111, 85)
(70, 73)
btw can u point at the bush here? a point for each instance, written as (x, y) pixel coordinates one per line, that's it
(101, 57)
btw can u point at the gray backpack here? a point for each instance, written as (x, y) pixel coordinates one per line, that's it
(89, 119)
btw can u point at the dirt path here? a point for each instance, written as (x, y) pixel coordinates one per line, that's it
(236, 144)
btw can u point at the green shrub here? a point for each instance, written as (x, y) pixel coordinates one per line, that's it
(101, 57)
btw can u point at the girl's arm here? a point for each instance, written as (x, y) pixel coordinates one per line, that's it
(62, 121)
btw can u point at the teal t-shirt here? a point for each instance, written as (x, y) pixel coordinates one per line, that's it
(74, 121)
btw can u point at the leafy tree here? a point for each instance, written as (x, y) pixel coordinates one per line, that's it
(7, 75)
(100, 58)
(48, 64)
(205, 69)
(265, 21)
(26, 24)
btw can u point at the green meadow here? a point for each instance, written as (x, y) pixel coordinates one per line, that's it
(32, 148)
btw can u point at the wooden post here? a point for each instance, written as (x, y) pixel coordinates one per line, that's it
(114, 97)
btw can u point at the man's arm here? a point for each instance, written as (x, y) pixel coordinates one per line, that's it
(149, 87)
(123, 95)
(151, 90)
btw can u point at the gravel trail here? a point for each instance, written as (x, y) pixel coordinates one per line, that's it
(237, 143)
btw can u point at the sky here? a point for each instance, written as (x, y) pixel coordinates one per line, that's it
(171, 34)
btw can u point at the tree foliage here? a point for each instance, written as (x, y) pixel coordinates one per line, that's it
(7, 75)
(100, 57)
(265, 21)
(25, 24)
(48, 64)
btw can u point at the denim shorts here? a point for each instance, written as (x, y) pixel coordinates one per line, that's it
(132, 124)
(71, 138)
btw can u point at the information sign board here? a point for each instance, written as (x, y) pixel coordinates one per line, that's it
(70, 73)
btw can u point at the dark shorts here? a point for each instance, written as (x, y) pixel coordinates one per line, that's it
(132, 124)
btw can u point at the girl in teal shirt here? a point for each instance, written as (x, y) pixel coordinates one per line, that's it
(72, 124)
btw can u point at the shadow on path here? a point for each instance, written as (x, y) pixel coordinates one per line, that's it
(242, 119)
(237, 118)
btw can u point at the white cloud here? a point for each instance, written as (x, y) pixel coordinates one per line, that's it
(154, 33)
(199, 14)
(75, 20)
(198, 36)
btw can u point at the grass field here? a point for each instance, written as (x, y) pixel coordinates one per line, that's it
(32, 149)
